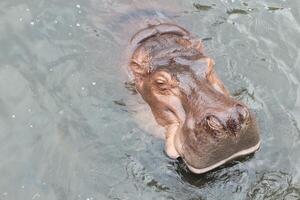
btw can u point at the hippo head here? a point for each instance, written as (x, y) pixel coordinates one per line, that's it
(205, 126)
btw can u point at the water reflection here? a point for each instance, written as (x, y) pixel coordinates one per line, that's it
(201, 180)
(274, 185)
(70, 128)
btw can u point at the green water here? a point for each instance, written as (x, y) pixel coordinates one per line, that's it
(67, 121)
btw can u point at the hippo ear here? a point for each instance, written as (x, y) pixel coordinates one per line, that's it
(210, 62)
(197, 44)
(137, 69)
(212, 76)
(203, 66)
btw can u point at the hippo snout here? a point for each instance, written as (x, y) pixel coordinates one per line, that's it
(219, 137)
(231, 120)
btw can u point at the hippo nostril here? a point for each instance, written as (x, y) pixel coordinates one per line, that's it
(213, 122)
(243, 113)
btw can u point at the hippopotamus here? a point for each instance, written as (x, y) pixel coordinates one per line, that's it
(204, 124)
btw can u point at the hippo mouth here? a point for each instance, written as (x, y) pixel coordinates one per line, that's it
(205, 153)
(239, 154)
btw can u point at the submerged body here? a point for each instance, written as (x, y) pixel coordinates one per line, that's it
(204, 124)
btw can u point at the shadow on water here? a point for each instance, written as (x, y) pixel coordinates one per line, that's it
(70, 128)
(200, 180)
(202, 7)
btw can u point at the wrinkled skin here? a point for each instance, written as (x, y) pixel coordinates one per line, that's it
(204, 124)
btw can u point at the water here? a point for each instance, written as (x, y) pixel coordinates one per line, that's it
(70, 128)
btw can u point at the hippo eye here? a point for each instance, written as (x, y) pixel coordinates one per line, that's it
(161, 84)
(160, 81)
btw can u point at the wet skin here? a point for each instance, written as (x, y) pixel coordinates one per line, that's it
(204, 124)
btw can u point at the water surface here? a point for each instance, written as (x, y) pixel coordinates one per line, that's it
(68, 123)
